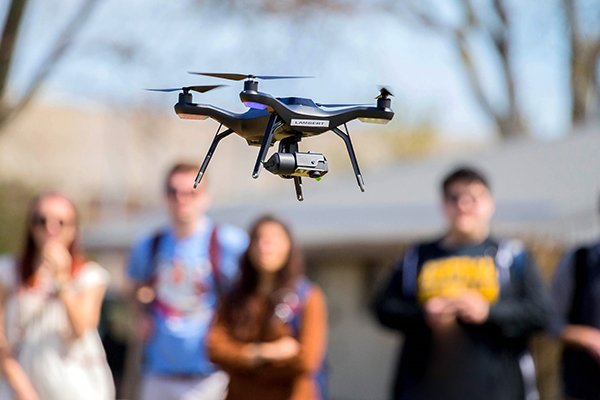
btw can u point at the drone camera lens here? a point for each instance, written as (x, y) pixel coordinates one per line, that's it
(311, 165)
(281, 164)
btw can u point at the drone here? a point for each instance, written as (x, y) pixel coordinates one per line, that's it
(286, 120)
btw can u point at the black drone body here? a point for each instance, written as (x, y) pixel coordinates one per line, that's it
(285, 120)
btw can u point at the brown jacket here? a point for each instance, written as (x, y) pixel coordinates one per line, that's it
(290, 379)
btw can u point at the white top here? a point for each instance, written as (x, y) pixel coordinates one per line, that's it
(37, 328)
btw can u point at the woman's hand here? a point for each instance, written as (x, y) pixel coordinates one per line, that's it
(280, 349)
(57, 260)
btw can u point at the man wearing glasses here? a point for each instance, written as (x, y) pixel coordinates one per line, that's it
(178, 274)
(466, 304)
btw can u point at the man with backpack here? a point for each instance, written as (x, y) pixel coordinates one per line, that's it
(576, 296)
(467, 305)
(178, 275)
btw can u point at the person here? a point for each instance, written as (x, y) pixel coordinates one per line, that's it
(178, 275)
(270, 332)
(576, 294)
(50, 306)
(466, 304)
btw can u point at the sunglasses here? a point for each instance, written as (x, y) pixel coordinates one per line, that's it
(42, 220)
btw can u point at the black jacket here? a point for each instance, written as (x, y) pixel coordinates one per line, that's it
(473, 361)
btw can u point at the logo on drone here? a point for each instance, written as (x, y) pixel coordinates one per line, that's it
(310, 123)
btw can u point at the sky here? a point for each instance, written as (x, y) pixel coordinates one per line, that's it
(130, 45)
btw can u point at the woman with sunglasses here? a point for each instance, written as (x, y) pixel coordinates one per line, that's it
(50, 308)
(269, 334)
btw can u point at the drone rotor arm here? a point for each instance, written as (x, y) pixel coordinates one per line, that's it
(200, 111)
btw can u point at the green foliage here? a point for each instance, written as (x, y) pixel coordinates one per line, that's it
(14, 198)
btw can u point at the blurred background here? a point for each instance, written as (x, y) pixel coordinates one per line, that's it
(511, 87)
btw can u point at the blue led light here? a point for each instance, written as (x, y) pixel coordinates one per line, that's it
(254, 105)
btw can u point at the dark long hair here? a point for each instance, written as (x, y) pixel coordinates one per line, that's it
(239, 309)
(30, 251)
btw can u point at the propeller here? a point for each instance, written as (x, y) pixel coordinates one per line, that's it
(185, 89)
(239, 77)
(384, 93)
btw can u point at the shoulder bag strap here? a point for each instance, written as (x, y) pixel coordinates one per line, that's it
(214, 254)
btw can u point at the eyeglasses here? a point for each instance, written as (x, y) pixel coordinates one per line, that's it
(455, 198)
(43, 221)
(174, 193)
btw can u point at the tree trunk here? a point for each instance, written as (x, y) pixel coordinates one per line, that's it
(55, 54)
(7, 45)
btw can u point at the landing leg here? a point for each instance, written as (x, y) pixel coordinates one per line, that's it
(290, 145)
(346, 138)
(298, 185)
(264, 147)
(211, 150)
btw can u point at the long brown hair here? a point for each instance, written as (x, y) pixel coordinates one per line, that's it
(30, 251)
(239, 308)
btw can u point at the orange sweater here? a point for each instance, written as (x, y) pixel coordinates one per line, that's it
(291, 379)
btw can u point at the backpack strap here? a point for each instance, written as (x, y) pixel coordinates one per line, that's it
(214, 255)
(580, 265)
(409, 271)
(302, 289)
(154, 243)
(507, 253)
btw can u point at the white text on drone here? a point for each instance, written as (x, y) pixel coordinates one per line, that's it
(310, 123)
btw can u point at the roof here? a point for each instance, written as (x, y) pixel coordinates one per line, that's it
(548, 189)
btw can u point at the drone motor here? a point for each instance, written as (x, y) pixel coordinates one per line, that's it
(297, 164)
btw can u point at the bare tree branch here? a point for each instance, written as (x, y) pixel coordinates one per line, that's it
(57, 52)
(428, 20)
(501, 40)
(8, 40)
(473, 77)
(508, 120)
(584, 56)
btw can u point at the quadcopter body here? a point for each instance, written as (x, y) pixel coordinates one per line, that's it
(286, 120)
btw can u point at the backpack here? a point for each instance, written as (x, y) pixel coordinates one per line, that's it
(321, 377)
(214, 256)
